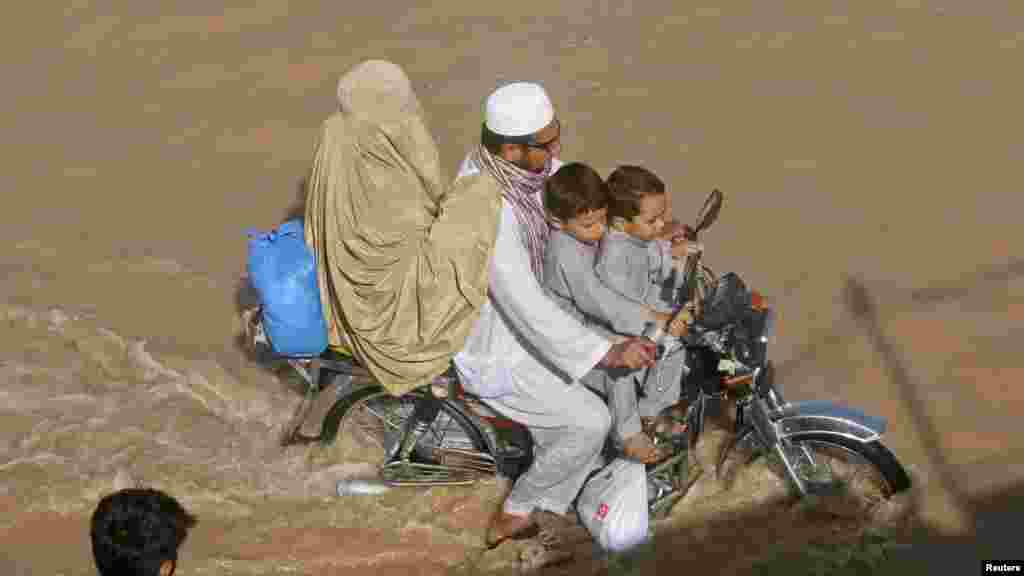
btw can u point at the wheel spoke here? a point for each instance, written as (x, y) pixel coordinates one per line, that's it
(856, 483)
(437, 430)
(444, 455)
(416, 474)
(388, 419)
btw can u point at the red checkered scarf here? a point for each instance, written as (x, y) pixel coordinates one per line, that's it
(521, 188)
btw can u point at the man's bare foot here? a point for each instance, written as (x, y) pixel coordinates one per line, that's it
(506, 526)
(639, 447)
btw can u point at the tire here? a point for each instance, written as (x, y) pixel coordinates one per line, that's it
(370, 421)
(332, 421)
(867, 475)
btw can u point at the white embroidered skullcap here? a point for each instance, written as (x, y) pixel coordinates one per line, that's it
(518, 109)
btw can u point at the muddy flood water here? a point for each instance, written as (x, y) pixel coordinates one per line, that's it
(879, 139)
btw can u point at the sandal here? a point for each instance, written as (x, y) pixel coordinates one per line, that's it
(522, 528)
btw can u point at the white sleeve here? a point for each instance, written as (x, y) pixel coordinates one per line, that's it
(546, 330)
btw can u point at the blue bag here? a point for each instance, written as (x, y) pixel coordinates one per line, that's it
(283, 272)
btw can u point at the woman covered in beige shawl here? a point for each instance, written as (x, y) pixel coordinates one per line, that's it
(402, 263)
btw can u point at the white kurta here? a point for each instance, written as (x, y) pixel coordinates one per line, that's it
(525, 356)
(519, 320)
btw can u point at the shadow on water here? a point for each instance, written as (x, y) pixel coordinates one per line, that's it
(997, 517)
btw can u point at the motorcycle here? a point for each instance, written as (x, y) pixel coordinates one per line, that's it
(823, 448)
(439, 434)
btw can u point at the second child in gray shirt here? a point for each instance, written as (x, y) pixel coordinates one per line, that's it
(636, 263)
(575, 199)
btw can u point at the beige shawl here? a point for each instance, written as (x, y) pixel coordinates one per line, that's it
(402, 264)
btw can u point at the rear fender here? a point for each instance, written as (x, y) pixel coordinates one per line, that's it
(815, 417)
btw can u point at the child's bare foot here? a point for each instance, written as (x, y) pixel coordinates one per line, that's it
(639, 447)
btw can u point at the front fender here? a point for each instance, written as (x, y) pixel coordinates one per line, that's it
(821, 416)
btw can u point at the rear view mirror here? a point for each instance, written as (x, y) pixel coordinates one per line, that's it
(709, 212)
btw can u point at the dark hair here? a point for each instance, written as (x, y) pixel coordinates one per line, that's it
(573, 190)
(136, 530)
(492, 141)
(627, 186)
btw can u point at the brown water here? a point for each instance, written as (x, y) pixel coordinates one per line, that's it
(881, 139)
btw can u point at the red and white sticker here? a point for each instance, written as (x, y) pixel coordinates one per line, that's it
(602, 511)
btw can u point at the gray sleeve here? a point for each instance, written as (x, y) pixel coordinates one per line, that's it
(624, 315)
(554, 279)
(663, 278)
(659, 257)
(617, 271)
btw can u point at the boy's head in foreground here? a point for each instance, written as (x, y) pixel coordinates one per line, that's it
(576, 202)
(637, 203)
(137, 532)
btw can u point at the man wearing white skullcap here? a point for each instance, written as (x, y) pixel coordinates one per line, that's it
(524, 356)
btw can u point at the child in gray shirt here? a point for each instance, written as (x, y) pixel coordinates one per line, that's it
(637, 263)
(575, 200)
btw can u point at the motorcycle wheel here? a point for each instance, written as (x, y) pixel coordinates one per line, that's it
(852, 479)
(370, 422)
